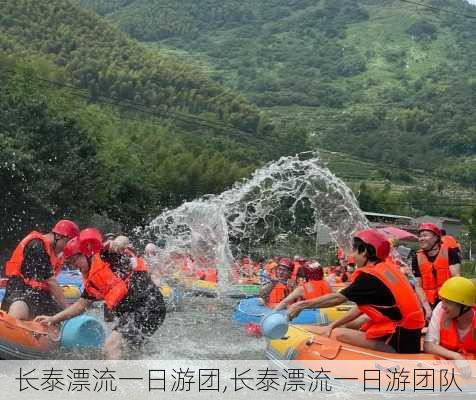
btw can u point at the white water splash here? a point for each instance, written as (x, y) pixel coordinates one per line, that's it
(294, 194)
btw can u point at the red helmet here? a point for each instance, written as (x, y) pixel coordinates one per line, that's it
(285, 262)
(67, 228)
(377, 240)
(71, 248)
(430, 227)
(90, 241)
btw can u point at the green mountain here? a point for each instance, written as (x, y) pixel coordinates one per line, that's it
(95, 125)
(383, 80)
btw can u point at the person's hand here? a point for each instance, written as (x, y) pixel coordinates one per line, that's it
(464, 367)
(44, 320)
(294, 310)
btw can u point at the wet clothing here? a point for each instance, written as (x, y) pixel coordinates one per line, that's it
(454, 257)
(141, 310)
(36, 266)
(368, 290)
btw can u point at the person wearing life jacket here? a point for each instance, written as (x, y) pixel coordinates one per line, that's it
(394, 317)
(433, 264)
(311, 286)
(298, 263)
(117, 251)
(32, 288)
(211, 275)
(449, 241)
(279, 286)
(126, 289)
(452, 330)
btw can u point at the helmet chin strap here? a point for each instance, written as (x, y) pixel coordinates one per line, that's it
(55, 240)
(436, 244)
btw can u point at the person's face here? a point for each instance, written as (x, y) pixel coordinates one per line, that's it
(360, 258)
(427, 240)
(451, 308)
(60, 243)
(283, 273)
(80, 262)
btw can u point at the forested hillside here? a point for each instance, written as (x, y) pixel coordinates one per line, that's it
(387, 80)
(94, 124)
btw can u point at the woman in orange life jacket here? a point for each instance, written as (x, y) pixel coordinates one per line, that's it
(32, 288)
(381, 291)
(432, 265)
(278, 287)
(452, 330)
(311, 286)
(127, 291)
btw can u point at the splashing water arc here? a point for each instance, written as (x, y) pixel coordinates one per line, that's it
(294, 192)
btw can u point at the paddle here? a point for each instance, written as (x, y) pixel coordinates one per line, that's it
(328, 349)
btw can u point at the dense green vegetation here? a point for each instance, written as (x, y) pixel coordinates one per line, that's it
(380, 79)
(96, 126)
(93, 124)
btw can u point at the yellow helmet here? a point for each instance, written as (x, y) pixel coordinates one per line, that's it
(459, 290)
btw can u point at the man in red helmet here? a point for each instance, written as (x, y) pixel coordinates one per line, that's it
(434, 263)
(32, 288)
(393, 315)
(275, 290)
(112, 275)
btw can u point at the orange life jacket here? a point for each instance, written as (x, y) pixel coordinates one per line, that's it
(313, 289)
(13, 266)
(211, 275)
(449, 335)
(450, 242)
(405, 298)
(102, 284)
(279, 292)
(138, 263)
(434, 274)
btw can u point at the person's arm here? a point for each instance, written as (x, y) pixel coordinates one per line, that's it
(73, 310)
(438, 350)
(57, 292)
(422, 298)
(455, 270)
(454, 257)
(353, 313)
(328, 300)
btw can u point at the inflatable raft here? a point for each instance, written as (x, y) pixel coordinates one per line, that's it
(172, 296)
(252, 311)
(31, 340)
(71, 286)
(303, 347)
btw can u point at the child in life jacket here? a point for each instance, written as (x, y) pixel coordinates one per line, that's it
(452, 330)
